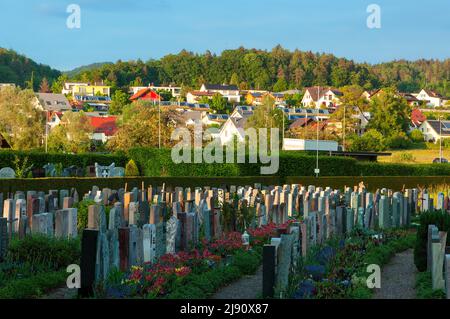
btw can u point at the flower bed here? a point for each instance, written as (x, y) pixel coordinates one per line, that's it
(194, 274)
(338, 269)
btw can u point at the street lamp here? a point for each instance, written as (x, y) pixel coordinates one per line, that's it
(159, 121)
(343, 133)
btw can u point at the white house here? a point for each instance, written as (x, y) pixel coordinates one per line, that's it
(195, 96)
(230, 92)
(431, 98)
(174, 90)
(214, 119)
(321, 96)
(434, 130)
(235, 125)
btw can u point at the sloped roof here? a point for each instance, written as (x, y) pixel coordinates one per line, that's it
(417, 117)
(433, 94)
(104, 124)
(445, 126)
(53, 102)
(144, 92)
(221, 87)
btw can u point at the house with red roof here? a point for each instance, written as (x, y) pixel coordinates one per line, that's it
(146, 94)
(104, 127)
(417, 118)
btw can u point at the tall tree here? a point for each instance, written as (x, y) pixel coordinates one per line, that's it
(44, 87)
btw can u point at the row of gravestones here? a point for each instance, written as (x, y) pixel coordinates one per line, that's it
(324, 219)
(50, 170)
(34, 212)
(141, 236)
(438, 259)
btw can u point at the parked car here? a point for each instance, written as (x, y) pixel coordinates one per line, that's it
(440, 160)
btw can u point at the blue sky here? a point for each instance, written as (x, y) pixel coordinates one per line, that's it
(131, 29)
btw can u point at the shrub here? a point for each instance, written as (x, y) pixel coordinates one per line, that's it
(131, 169)
(417, 136)
(406, 157)
(34, 286)
(398, 141)
(40, 249)
(441, 220)
(424, 289)
(82, 215)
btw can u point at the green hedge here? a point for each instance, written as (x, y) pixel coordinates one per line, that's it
(154, 162)
(441, 220)
(39, 159)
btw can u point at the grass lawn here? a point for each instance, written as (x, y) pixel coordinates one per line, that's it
(419, 156)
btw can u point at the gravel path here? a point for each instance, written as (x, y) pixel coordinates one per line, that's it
(248, 287)
(61, 293)
(398, 278)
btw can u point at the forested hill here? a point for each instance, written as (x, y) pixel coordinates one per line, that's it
(18, 69)
(73, 73)
(278, 69)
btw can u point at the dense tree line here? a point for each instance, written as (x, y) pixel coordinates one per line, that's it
(277, 69)
(18, 69)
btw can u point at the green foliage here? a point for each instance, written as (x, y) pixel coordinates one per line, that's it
(424, 288)
(441, 220)
(82, 215)
(218, 103)
(21, 166)
(118, 101)
(372, 140)
(131, 168)
(34, 286)
(417, 136)
(39, 249)
(39, 159)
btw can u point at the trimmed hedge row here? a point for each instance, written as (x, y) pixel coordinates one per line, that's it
(39, 159)
(154, 162)
(84, 184)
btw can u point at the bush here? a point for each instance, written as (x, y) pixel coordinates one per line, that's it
(34, 286)
(131, 169)
(83, 213)
(398, 141)
(39, 159)
(417, 136)
(441, 220)
(55, 253)
(424, 289)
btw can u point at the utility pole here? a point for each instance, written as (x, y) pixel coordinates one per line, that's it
(159, 121)
(343, 133)
(440, 139)
(317, 170)
(46, 131)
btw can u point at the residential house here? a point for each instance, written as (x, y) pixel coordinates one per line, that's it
(417, 118)
(278, 98)
(410, 99)
(68, 87)
(194, 97)
(434, 130)
(104, 127)
(191, 118)
(174, 90)
(51, 102)
(90, 89)
(254, 98)
(235, 125)
(146, 94)
(54, 119)
(214, 119)
(369, 94)
(431, 98)
(230, 92)
(318, 97)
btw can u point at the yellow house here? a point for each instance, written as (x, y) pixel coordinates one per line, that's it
(91, 90)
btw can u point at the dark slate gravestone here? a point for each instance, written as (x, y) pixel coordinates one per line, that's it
(269, 258)
(124, 248)
(87, 264)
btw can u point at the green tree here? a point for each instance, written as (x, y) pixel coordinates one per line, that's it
(73, 135)
(118, 101)
(390, 113)
(372, 141)
(417, 136)
(280, 85)
(44, 87)
(218, 103)
(58, 84)
(21, 123)
(234, 79)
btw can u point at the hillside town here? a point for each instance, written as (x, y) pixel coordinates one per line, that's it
(308, 113)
